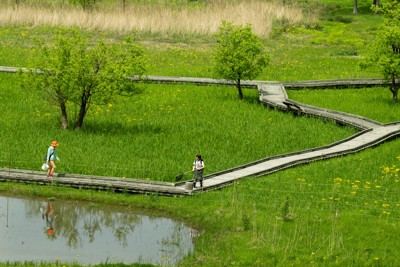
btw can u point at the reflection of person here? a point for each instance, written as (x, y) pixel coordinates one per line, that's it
(48, 215)
(198, 167)
(51, 157)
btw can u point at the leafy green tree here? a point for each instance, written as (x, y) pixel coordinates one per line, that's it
(75, 71)
(239, 54)
(51, 76)
(385, 52)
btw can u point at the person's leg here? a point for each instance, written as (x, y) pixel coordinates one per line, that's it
(51, 169)
(196, 177)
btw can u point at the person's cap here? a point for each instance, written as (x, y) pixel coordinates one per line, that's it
(54, 143)
(50, 231)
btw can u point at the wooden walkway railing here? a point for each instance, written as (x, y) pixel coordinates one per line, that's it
(270, 93)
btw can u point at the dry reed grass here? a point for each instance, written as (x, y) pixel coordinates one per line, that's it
(157, 19)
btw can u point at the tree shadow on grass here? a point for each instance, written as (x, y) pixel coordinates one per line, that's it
(232, 96)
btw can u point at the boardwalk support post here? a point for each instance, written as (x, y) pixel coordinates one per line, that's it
(189, 185)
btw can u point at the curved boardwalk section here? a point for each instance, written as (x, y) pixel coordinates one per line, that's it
(272, 94)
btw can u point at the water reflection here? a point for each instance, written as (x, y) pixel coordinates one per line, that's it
(48, 215)
(49, 230)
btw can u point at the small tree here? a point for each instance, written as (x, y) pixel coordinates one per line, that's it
(52, 76)
(238, 54)
(74, 71)
(385, 52)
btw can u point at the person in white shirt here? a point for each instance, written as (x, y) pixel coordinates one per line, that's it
(198, 167)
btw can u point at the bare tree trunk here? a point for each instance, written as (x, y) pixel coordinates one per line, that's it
(81, 116)
(376, 4)
(239, 87)
(64, 117)
(83, 108)
(355, 9)
(394, 94)
(394, 88)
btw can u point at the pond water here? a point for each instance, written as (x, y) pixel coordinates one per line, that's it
(87, 233)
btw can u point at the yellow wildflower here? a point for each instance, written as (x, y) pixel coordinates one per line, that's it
(338, 180)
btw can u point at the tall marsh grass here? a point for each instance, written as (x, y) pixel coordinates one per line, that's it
(156, 18)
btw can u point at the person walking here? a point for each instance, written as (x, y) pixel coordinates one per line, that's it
(51, 157)
(198, 168)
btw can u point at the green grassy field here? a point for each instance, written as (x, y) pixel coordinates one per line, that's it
(155, 135)
(353, 101)
(337, 212)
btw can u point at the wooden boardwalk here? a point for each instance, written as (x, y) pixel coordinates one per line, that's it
(113, 184)
(270, 93)
(273, 94)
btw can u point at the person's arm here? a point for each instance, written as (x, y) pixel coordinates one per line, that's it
(55, 156)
